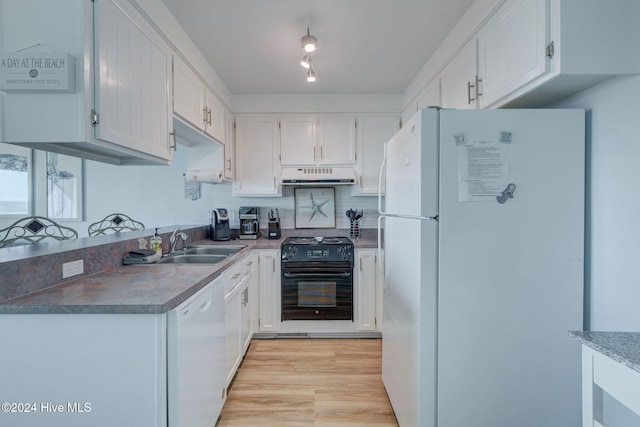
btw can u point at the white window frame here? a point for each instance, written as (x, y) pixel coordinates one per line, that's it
(38, 188)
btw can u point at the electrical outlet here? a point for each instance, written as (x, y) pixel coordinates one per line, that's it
(73, 268)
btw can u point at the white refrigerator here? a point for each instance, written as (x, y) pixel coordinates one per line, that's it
(483, 218)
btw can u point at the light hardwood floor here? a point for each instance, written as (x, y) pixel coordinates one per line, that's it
(309, 382)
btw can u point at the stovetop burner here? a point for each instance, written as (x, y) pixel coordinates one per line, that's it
(317, 241)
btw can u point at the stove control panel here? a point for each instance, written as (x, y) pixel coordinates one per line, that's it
(316, 253)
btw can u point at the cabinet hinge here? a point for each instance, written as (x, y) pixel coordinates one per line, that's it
(550, 50)
(94, 117)
(279, 124)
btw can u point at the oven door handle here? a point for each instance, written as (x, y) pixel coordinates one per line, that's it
(315, 275)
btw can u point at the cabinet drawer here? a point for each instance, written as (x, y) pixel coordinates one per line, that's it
(234, 275)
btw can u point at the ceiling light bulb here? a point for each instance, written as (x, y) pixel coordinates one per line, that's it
(311, 75)
(306, 61)
(309, 43)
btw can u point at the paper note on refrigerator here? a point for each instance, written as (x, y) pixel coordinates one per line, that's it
(483, 169)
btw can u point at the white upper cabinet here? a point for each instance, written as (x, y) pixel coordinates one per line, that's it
(373, 132)
(459, 80)
(133, 80)
(298, 140)
(120, 111)
(214, 124)
(337, 140)
(257, 152)
(195, 103)
(229, 145)
(318, 140)
(534, 52)
(512, 48)
(188, 94)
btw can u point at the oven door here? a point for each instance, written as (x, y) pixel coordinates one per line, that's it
(317, 293)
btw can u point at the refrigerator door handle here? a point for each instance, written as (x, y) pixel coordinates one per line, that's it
(380, 179)
(380, 257)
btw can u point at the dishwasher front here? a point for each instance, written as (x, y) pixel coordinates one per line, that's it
(196, 358)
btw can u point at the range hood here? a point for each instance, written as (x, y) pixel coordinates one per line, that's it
(321, 175)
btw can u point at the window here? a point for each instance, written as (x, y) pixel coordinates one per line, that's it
(64, 187)
(15, 181)
(34, 182)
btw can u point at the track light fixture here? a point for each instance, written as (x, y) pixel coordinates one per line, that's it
(311, 75)
(309, 42)
(306, 61)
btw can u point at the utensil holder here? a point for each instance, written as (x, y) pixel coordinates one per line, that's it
(355, 229)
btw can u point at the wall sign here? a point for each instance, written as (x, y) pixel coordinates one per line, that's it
(37, 72)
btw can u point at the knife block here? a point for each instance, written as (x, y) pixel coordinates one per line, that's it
(273, 231)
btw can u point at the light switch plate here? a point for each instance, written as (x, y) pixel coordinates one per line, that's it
(73, 268)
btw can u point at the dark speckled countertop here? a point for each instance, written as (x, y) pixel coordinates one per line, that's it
(140, 289)
(136, 289)
(623, 347)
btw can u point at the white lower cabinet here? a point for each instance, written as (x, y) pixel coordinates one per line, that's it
(238, 299)
(367, 290)
(249, 301)
(233, 325)
(269, 312)
(104, 369)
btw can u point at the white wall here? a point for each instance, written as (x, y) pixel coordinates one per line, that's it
(613, 205)
(153, 195)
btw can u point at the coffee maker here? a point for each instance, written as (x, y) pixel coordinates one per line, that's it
(220, 225)
(249, 225)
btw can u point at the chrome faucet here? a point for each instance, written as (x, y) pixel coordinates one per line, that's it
(174, 239)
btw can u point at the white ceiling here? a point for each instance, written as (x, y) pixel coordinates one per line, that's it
(364, 46)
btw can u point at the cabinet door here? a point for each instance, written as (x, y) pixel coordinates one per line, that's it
(246, 332)
(458, 79)
(233, 321)
(373, 132)
(511, 48)
(229, 146)
(298, 141)
(188, 94)
(215, 119)
(337, 140)
(269, 262)
(257, 156)
(248, 301)
(133, 80)
(366, 284)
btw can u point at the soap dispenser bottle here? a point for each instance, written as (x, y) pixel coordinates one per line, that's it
(156, 243)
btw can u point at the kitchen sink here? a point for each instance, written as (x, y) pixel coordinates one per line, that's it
(226, 250)
(182, 258)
